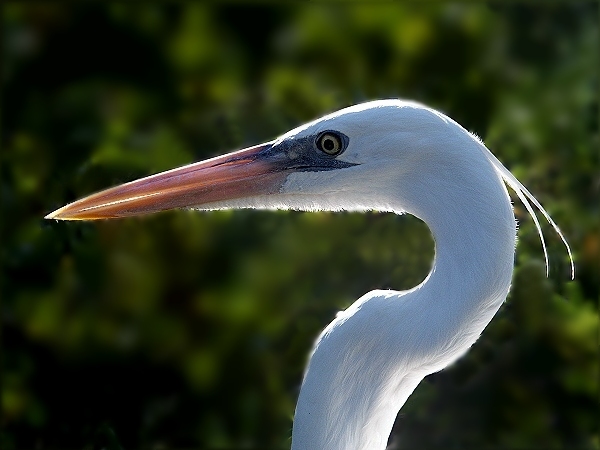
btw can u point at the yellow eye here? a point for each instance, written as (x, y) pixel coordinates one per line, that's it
(329, 143)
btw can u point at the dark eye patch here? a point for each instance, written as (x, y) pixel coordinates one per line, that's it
(303, 154)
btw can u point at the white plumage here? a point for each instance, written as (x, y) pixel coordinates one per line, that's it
(395, 156)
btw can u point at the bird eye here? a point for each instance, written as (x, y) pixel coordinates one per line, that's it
(330, 143)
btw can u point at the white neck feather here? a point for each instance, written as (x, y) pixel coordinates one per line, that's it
(368, 361)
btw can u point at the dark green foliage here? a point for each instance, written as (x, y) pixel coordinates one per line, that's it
(191, 330)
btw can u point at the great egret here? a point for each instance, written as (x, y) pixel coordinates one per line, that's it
(388, 155)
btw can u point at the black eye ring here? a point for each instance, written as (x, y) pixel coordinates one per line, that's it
(330, 142)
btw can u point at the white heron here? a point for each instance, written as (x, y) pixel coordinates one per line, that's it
(388, 155)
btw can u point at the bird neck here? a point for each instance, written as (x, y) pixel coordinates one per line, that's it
(474, 256)
(369, 360)
(474, 229)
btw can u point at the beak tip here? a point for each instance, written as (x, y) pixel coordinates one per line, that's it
(58, 215)
(52, 215)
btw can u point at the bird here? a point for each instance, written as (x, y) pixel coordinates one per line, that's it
(390, 155)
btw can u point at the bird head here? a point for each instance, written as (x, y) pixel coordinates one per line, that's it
(344, 160)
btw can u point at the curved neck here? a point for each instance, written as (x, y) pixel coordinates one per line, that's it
(472, 270)
(368, 361)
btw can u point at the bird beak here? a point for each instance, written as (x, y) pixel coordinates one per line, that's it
(253, 171)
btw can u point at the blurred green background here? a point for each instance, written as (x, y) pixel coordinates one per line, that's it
(191, 330)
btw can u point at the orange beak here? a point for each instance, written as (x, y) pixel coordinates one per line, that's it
(253, 171)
